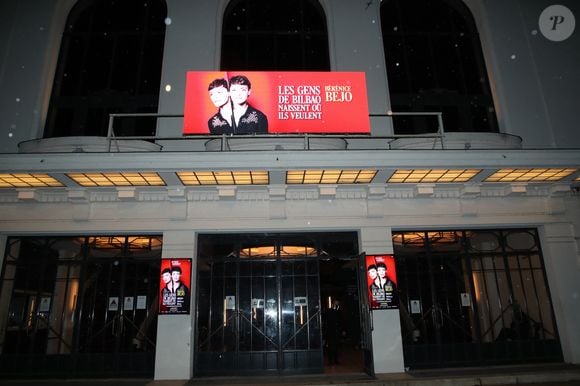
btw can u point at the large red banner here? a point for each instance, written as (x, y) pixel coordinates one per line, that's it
(250, 102)
(382, 281)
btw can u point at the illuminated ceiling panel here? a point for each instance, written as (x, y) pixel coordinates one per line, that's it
(317, 176)
(133, 243)
(432, 175)
(117, 179)
(272, 250)
(330, 176)
(237, 177)
(529, 175)
(27, 180)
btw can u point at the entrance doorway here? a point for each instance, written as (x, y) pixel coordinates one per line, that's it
(476, 297)
(263, 298)
(79, 306)
(339, 282)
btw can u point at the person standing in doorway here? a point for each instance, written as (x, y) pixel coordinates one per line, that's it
(333, 331)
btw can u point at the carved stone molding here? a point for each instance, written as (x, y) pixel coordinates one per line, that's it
(280, 193)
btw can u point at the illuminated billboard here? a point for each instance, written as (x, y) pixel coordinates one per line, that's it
(251, 102)
(382, 282)
(175, 286)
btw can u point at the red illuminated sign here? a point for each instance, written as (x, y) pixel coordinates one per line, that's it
(382, 281)
(175, 286)
(248, 102)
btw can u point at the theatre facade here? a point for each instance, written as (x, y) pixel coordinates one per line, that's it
(148, 230)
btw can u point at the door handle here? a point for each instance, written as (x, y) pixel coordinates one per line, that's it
(117, 329)
(114, 326)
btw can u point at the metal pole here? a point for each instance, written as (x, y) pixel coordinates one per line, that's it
(441, 131)
(110, 132)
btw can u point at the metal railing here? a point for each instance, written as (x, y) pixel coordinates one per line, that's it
(440, 130)
(112, 138)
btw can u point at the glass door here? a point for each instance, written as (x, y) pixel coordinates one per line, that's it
(300, 322)
(79, 306)
(118, 310)
(365, 317)
(259, 301)
(474, 297)
(258, 317)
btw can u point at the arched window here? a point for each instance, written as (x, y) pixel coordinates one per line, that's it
(110, 62)
(274, 35)
(435, 64)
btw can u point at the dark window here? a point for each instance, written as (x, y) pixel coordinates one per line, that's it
(261, 296)
(275, 35)
(110, 62)
(435, 64)
(474, 297)
(79, 306)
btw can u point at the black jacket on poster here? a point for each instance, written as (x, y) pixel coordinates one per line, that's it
(252, 122)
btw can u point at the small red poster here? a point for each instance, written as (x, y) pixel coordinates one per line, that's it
(175, 284)
(382, 282)
(252, 102)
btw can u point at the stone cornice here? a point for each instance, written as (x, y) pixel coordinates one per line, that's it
(277, 163)
(285, 192)
(284, 160)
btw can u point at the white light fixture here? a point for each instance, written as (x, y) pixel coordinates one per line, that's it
(330, 176)
(235, 177)
(27, 180)
(432, 175)
(117, 179)
(530, 175)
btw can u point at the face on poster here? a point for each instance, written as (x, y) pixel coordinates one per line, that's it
(252, 102)
(174, 287)
(382, 282)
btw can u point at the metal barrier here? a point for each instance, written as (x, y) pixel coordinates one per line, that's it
(112, 138)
